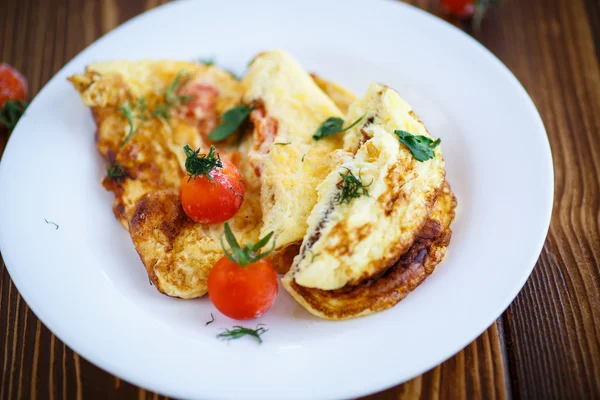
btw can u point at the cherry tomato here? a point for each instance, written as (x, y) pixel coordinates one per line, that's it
(211, 202)
(242, 292)
(459, 8)
(13, 85)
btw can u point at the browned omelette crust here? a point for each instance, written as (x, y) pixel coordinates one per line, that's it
(385, 290)
(157, 221)
(153, 159)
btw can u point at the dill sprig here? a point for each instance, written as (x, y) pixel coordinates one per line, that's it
(11, 112)
(351, 187)
(241, 331)
(172, 99)
(52, 223)
(116, 172)
(248, 254)
(211, 320)
(197, 164)
(133, 113)
(138, 110)
(209, 62)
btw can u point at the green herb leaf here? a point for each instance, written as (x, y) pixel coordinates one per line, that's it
(421, 147)
(248, 254)
(240, 331)
(351, 187)
(197, 164)
(11, 113)
(332, 126)
(231, 120)
(209, 62)
(171, 98)
(282, 144)
(116, 172)
(179, 82)
(137, 111)
(211, 321)
(52, 223)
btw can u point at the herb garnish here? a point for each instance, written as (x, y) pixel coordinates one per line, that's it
(132, 113)
(197, 164)
(209, 62)
(171, 98)
(240, 331)
(248, 254)
(11, 112)
(282, 144)
(233, 74)
(421, 147)
(231, 120)
(211, 321)
(332, 126)
(138, 110)
(116, 172)
(351, 187)
(52, 223)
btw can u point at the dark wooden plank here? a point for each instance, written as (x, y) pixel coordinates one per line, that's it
(554, 325)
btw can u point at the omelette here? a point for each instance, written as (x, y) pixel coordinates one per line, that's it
(147, 98)
(176, 252)
(364, 254)
(341, 259)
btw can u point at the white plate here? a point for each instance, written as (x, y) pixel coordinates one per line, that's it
(87, 284)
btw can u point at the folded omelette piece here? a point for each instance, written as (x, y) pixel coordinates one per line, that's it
(364, 252)
(145, 112)
(289, 107)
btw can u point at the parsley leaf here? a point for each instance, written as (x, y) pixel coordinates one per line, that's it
(332, 126)
(421, 147)
(231, 120)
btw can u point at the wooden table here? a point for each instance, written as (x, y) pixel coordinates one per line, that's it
(546, 345)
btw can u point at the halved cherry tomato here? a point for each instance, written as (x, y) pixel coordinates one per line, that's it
(242, 292)
(13, 85)
(212, 201)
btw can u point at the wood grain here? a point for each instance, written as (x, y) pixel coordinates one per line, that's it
(547, 345)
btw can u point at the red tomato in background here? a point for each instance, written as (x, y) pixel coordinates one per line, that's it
(211, 202)
(459, 8)
(13, 85)
(242, 292)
